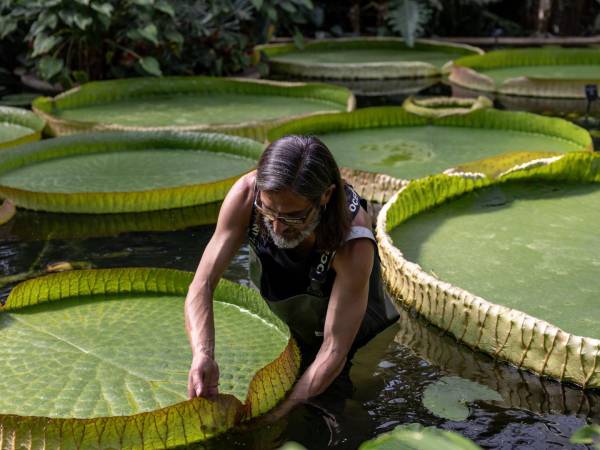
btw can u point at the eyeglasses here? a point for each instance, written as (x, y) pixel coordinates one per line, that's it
(292, 221)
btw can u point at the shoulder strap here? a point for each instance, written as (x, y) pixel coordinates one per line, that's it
(254, 228)
(322, 261)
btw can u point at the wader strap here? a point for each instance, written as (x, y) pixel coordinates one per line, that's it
(318, 272)
(322, 263)
(254, 230)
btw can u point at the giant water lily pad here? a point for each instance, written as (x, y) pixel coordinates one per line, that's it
(525, 260)
(404, 145)
(101, 358)
(125, 172)
(547, 72)
(449, 397)
(18, 126)
(417, 437)
(234, 106)
(362, 58)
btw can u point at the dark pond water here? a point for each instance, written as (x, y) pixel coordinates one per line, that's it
(385, 383)
(387, 376)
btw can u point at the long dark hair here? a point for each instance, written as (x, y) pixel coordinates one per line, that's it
(304, 165)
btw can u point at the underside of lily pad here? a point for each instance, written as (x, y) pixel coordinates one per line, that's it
(235, 106)
(18, 126)
(362, 58)
(404, 145)
(445, 106)
(522, 246)
(100, 358)
(518, 389)
(546, 72)
(32, 225)
(125, 171)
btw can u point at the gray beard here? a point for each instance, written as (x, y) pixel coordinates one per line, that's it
(282, 242)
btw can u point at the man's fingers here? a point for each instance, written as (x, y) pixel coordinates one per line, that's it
(194, 385)
(203, 383)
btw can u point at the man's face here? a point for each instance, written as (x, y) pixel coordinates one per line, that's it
(289, 217)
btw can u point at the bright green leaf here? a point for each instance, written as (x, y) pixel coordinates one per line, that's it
(257, 4)
(151, 65)
(48, 67)
(150, 33)
(83, 2)
(448, 397)
(43, 44)
(143, 2)
(165, 7)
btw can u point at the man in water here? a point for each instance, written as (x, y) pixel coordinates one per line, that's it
(312, 256)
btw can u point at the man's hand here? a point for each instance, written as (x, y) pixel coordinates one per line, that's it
(203, 379)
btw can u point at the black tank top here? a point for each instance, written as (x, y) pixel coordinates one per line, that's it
(285, 277)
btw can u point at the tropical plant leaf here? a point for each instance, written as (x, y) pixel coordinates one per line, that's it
(416, 437)
(43, 44)
(103, 8)
(151, 65)
(449, 397)
(149, 32)
(118, 378)
(49, 67)
(174, 36)
(165, 7)
(82, 21)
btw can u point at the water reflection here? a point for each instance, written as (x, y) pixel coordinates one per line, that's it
(31, 225)
(534, 414)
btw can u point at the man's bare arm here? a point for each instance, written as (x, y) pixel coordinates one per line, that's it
(230, 231)
(347, 305)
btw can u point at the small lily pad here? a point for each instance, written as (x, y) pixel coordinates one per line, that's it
(414, 436)
(448, 397)
(589, 434)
